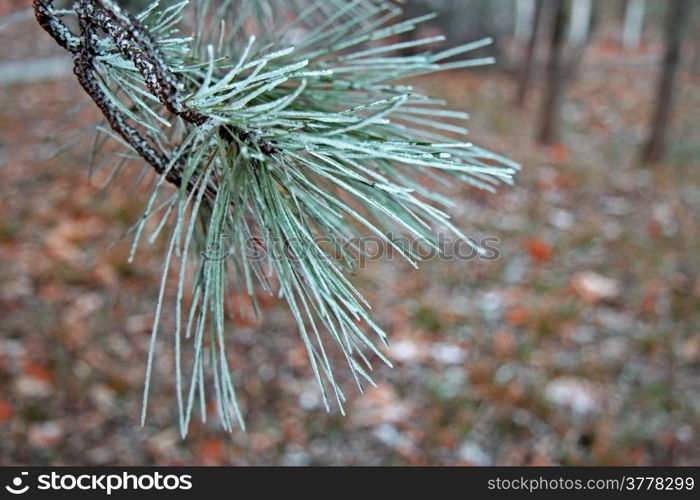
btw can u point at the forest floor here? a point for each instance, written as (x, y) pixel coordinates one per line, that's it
(579, 345)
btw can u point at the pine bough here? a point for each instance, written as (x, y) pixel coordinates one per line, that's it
(278, 122)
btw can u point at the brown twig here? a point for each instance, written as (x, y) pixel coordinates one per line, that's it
(136, 44)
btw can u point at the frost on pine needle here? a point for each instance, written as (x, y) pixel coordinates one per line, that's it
(283, 133)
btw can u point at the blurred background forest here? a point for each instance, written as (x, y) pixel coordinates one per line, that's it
(580, 345)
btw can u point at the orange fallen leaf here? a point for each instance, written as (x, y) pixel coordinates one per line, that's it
(211, 452)
(517, 316)
(539, 249)
(6, 411)
(653, 229)
(564, 181)
(36, 371)
(559, 153)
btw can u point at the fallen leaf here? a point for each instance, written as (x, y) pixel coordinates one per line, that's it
(539, 249)
(6, 411)
(559, 153)
(211, 452)
(517, 316)
(593, 287)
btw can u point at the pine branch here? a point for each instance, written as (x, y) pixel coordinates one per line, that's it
(274, 149)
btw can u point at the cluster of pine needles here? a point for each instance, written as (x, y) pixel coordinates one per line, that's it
(280, 125)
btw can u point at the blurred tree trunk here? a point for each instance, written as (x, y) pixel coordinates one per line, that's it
(549, 132)
(587, 12)
(634, 24)
(526, 72)
(695, 31)
(464, 21)
(524, 18)
(678, 14)
(580, 26)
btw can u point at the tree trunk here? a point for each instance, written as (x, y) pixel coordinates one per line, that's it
(526, 74)
(695, 63)
(551, 109)
(524, 19)
(677, 17)
(580, 27)
(634, 24)
(588, 21)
